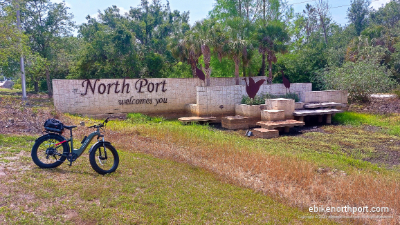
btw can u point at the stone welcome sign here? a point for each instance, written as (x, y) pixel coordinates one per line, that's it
(169, 97)
(102, 96)
(141, 86)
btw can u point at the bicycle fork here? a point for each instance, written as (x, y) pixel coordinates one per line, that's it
(101, 157)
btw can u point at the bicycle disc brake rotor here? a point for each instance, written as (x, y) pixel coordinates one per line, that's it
(50, 151)
(102, 160)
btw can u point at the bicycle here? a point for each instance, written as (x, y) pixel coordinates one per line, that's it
(45, 152)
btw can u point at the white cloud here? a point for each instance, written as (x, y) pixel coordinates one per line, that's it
(122, 11)
(378, 3)
(60, 1)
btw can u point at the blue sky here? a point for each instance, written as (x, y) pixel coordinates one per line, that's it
(198, 9)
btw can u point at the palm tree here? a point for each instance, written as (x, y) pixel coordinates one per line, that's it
(186, 49)
(272, 39)
(203, 29)
(236, 47)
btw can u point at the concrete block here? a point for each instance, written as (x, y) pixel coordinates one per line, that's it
(272, 115)
(253, 112)
(235, 122)
(281, 104)
(298, 105)
(265, 133)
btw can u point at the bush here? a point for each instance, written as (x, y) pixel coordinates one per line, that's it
(260, 99)
(360, 79)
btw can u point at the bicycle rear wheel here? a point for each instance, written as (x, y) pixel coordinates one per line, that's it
(104, 158)
(47, 152)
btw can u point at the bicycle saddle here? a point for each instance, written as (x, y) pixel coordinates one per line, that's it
(69, 127)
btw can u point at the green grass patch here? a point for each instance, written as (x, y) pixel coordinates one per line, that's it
(390, 122)
(341, 147)
(144, 189)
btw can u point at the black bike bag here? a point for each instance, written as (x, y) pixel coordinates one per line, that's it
(54, 125)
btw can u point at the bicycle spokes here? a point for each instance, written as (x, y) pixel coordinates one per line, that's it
(49, 151)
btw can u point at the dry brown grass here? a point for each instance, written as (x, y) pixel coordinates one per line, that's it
(297, 182)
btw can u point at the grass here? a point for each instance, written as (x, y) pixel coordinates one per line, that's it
(144, 189)
(340, 165)
(390, 122)
(328, 168)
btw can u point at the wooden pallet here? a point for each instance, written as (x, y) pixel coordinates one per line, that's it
(196, 119)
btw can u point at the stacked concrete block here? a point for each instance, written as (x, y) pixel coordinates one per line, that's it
(287, 105)
(235, 122)
(272, 115)
(251, 111)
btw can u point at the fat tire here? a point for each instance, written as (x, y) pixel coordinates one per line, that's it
(93, 162)
(39, 141)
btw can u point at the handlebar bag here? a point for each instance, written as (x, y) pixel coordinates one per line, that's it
(54, 125)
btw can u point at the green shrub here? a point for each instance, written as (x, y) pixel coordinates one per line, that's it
(360, 79)
(260, 99)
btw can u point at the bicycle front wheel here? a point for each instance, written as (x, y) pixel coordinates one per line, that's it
(47, 152)
(104, 158)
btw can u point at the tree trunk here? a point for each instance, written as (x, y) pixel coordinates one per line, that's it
(193, 71)
(237, 62)
(244, 70)
(207, 58)
(263, 65)
(49, 87)
(264, 11)
(270, 72)
(240, 8)
(36, 86)
(326, 39)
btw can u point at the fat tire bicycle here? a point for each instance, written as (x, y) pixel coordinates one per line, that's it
(52, 149)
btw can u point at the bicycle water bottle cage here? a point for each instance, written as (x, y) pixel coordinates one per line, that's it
(53, 125)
